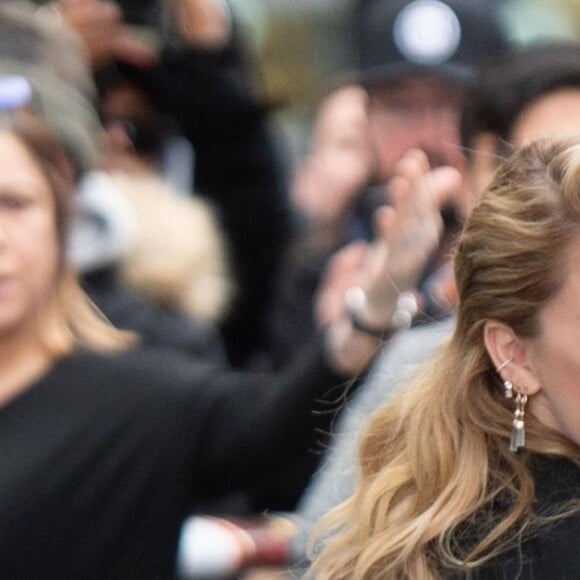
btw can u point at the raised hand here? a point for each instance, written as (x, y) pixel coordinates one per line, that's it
(407, 233)
(99, 23)
(202, 23)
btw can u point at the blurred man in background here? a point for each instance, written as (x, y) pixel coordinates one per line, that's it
(416, 58)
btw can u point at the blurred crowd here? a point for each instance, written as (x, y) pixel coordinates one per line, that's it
(277, 301)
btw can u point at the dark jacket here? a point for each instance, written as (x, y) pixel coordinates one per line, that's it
(549, 551)
(213, 97)
(104, 456)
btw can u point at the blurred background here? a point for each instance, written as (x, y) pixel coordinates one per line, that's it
(302, 46)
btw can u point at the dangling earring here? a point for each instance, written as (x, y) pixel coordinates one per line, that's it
(518, 438)
(508, 389)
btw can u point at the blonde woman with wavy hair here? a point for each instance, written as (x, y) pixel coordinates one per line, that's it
(474, 471)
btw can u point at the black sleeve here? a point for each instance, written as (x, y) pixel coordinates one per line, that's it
(255, 424)
(291, 323)
(239, 167)
(240, 163)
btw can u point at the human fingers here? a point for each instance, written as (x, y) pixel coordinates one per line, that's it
(340, 274)
(410, 194)
(386, 225)
(97, 22)
(131, 51)
(90, 15)
(446, 183)
(420, 193)
(411, 227)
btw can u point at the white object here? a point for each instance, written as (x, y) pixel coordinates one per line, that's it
(427, 32)
(209, 548)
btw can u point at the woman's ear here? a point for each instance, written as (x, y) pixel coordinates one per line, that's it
(511, 356)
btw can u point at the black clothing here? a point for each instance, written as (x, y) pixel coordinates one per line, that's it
(157, 327)
(283, 484)
(291, 321)
(104, 456)
(240, 166)
(550, 551)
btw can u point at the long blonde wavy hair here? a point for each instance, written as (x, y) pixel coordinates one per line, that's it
(434, 460)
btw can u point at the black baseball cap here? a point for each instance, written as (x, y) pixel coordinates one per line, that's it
(448, 38)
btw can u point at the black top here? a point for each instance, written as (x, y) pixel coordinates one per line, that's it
(157, 327)
(550, 551)
(104, 456)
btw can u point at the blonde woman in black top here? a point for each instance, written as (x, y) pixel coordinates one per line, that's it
(474, 472)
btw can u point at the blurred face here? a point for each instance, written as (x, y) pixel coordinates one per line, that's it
(555, 115)
(555, 356)
(341, 161)
(29, 248)
(417, 112)
(341, 135)
(128, 116)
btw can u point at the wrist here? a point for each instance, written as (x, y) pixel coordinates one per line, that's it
(348, 350)
(384, 324)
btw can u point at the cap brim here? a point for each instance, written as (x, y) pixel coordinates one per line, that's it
(458, 73)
